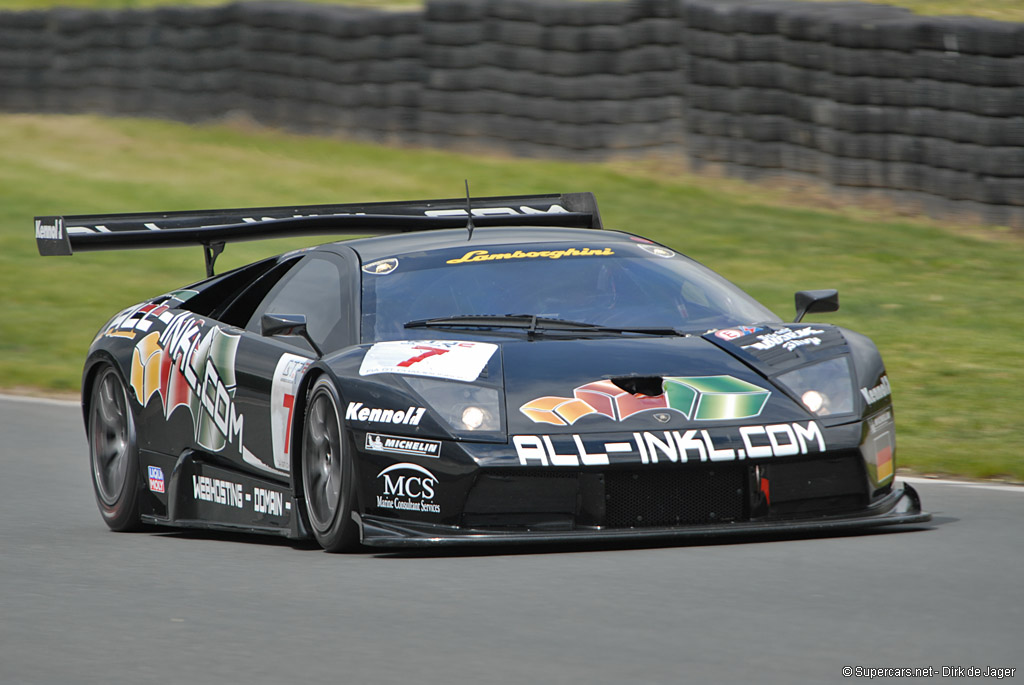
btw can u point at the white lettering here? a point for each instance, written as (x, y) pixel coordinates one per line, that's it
(777, 440)
(666, 447)
(530, 447)
(267, 502)
(715, 454)
(355, 411)
(688, 441)
(778, 449)
(877, 393)
(409, 492)
(754, 451)
(48, 232)
(559, 459)
(217, 491)
(812, 431)
(588, 459)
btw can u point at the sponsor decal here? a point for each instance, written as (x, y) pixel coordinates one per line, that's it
(408, 487)
(500, 211)
(485, 256)
(877, 393)
(381, 267)
(156, 479)
(266, 501)
(137, 319)
(451, 359)
(788, 338)
(650, 447)
(698, 398)
(176, 297)
(883, 446)
(54, 231)
(206, 489)
(185, 367)
(881, 443)
(395, 444)
(658, 251)
(230, 494)
(728, 334)
(880, 421)
(287, 376)
(355, 411)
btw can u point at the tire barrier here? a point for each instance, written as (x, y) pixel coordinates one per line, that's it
(863, 97)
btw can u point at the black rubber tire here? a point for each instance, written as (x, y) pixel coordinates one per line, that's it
(114, 451)
(328, 475)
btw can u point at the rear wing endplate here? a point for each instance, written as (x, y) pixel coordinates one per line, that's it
(212, 229)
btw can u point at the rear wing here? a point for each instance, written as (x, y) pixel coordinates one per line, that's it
(212, 229)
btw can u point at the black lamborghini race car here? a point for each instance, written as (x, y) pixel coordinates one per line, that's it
(502, 373)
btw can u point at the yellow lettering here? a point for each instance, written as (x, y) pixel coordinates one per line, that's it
(485, 256)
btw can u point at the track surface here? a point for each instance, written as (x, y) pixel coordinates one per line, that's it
(80, 604)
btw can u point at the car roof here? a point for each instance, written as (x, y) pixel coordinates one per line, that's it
(381, 247)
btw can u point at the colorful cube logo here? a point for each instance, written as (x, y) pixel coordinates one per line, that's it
(698, 398)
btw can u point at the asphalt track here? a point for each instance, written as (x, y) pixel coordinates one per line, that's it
(80, 604)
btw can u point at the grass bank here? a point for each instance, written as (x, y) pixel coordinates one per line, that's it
(1003, 10)
(943, 304)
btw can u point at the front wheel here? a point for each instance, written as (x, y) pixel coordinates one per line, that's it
(327, 471)
(114, 452)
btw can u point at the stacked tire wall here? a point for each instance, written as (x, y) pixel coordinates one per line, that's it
(548, 77)
(307, 67)
(860, 96)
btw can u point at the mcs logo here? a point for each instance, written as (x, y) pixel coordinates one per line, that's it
(414, 481)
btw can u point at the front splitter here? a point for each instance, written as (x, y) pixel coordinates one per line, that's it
(901, 507)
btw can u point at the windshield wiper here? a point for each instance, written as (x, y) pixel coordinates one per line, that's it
(532, 324)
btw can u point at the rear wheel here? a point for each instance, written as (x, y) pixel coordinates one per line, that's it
(327, 471)
(113, 452)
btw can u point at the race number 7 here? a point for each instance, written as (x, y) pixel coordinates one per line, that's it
(429, 352)
(289, 404)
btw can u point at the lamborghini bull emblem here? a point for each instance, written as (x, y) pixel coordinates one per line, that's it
(185, 368)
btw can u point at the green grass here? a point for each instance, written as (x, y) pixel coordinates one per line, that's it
(1005, 10)
(943, 304)
(145, 4)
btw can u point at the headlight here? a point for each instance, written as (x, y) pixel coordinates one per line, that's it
(824, 388)
(466, 407)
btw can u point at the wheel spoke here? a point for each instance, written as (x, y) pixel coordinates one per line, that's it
(321, 464)
(110, 439)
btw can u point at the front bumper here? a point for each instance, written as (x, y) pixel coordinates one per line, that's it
(901, 506)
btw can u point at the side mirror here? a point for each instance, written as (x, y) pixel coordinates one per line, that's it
(287, 324)
(815, 301)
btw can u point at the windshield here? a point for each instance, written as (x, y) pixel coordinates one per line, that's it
(608, 284)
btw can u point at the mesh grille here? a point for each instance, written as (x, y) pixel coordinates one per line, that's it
(674, 497)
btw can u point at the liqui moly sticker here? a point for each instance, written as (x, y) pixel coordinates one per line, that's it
(452, 359)
(156, 479)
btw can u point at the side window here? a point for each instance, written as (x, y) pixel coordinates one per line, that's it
(314, 289)
(238, 310)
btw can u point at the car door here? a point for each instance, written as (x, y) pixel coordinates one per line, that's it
(269, 370)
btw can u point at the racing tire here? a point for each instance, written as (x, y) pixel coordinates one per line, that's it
(114, 452)
(328, 475)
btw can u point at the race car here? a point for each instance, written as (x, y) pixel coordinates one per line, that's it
(475, 370)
